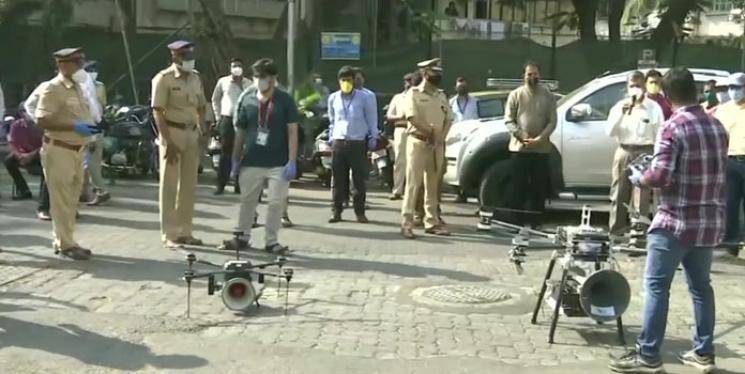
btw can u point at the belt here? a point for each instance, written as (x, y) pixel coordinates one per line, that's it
(417, 136)
(345, 141)
(400, 125)
(636, 146)
(61, 144)
(738, 158)
(180, 126)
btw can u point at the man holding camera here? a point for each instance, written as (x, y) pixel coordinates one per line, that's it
(689, 170)
(634, 122)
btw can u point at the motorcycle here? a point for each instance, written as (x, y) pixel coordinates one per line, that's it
(321, 158)
(382, 161)
(128, 141)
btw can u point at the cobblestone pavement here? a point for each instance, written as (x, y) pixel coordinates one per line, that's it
(363, 300)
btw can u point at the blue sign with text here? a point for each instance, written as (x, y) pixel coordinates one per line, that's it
(340, 45)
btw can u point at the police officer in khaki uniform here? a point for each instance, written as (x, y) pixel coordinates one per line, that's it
(65, 115)
(429, 118)
(179, 108)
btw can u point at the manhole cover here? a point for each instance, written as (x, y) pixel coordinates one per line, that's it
(462, 295)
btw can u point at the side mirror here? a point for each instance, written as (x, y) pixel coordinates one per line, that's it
(580, 112)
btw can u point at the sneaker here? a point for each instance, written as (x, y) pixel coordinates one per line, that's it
(235, 244)
(276, 248)
(361, 218)
(703, 363)
(335, 217)
(219, 192)
(633, 362)
(43, 215)
(189, 240)
(287, 223)
(99, 199)
(394, 197)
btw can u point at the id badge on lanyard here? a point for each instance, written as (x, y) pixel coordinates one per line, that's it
(262, 133)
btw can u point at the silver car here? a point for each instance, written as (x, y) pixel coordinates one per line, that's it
(478, 158)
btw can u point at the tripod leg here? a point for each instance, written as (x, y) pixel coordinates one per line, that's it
(557, 306)
(541, 294)
(621, 335)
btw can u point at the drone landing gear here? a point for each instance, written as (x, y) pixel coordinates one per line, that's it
(563, 290)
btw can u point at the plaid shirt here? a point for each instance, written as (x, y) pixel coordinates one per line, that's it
(690, 168)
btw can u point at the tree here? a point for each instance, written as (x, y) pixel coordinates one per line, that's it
(587, 11)
(672, 17)
(616, 9)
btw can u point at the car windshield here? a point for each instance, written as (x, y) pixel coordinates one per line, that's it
(571, 94)
(489, 108)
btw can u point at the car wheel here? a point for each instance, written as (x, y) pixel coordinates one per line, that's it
(495, 185)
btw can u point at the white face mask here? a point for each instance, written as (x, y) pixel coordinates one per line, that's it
(264, 84)
(80, 76)
(236, 71)
(94, 75)
(188, 66)
(635, 92)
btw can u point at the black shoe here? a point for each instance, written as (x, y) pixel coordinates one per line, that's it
(25, 195)
(237, 190)
(219, 192)
(336, 217)
(634, 362)
(704, 363)
(362, 219)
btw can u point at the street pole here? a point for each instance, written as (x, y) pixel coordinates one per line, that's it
(127, 53)
(375, 33)
(291, 46)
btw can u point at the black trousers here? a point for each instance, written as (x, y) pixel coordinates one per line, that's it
(14, 169)
(530, 184)
(227, 138)
(349, 155)
(735, 198)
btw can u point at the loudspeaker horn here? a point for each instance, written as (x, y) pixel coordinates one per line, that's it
(605, 295)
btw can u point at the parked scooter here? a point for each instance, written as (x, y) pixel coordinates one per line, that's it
(128, 141)
(321, 158)
(382, 161)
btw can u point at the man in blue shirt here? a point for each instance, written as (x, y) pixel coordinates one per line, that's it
(353, 130)
(265, 153)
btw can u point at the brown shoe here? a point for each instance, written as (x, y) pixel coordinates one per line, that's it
(408, 233)
(189, 240)
(438, 230)
(418, 222)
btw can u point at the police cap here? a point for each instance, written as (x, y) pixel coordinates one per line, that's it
(68, 54)
(433, 64)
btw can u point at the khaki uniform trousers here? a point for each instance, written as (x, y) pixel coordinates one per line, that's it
(64, 174)
(178, 183)
(399, 163)
(93, 177)
(423, 167)
(622, 191)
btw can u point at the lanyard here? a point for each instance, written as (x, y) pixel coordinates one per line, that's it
(462, 108)
(267, 115)
(347, 105)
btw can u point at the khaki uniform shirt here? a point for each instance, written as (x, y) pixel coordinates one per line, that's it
(431, 108)
(62, 101)
(180, 95)
(732, 116)
(396, 108)
(530, 114)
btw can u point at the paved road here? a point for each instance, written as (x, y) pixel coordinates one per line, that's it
(364, 300)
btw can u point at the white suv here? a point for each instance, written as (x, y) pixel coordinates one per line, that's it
(478, 158)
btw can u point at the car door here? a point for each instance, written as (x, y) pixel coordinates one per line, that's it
(587, 152)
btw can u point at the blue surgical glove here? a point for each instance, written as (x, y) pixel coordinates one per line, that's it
(290, 171)
(372, 143)
(235, 167)
(85, 128)
(636, 176)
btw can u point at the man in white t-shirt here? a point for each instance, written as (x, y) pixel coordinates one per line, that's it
(634, 122)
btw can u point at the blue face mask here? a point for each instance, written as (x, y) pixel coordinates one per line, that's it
(736, 94)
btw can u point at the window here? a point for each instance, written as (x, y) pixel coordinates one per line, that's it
(603, 100)
(490, 108)
(721, 6)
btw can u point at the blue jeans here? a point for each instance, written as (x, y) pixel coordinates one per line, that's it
(664, 253)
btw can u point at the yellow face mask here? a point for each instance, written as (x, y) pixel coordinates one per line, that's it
(346, 86)
(654, 88)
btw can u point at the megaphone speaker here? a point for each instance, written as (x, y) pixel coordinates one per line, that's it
(605, 295)
(238, 294)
